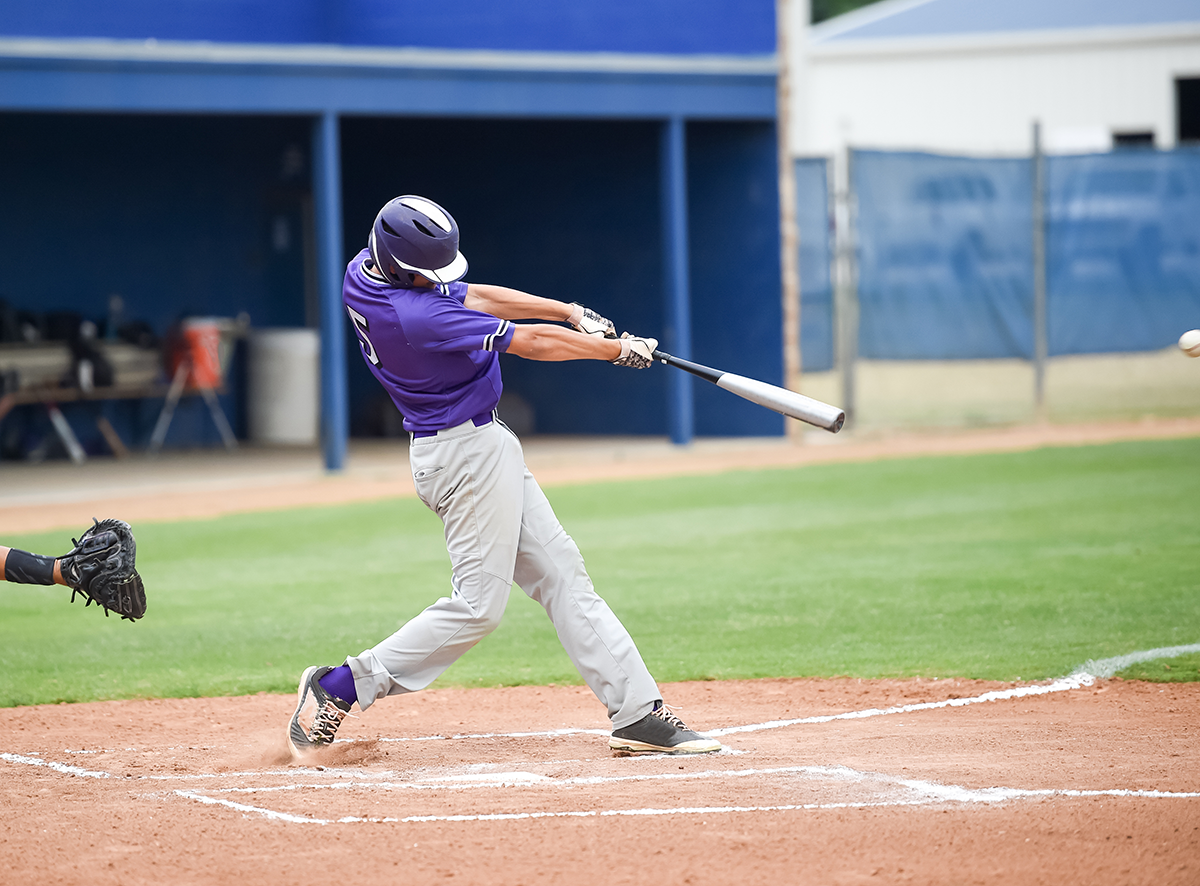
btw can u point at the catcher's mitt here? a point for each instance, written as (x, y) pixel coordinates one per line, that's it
(101, 568)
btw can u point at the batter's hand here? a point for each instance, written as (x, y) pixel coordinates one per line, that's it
(588, 322)
(636, 351)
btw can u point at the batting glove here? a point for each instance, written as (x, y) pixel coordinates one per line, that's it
(636, 352)
(589, 322)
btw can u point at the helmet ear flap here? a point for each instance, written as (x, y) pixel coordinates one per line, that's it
(371, 248)
(385, 264)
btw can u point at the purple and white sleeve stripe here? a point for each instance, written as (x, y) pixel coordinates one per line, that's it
(489, 341)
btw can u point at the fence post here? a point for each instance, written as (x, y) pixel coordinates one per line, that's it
(846, 282)
(1039, 274)
(676, 282)
(327, 190)
(788, 230)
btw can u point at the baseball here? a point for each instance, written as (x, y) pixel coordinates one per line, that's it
(1189, 342)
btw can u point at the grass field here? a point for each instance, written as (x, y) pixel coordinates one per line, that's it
(1013, 566)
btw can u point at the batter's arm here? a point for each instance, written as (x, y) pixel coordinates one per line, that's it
(513, 304)
(541, 341)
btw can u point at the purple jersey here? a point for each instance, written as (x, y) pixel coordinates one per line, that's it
(436, 358)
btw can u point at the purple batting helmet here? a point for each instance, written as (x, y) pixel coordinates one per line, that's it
(413, 235)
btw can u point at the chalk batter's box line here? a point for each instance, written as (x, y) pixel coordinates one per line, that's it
(1085, 675)
(515, 816)
(932, 791)
(928, 794)
(1065, 684)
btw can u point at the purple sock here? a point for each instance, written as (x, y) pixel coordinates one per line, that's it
(340, 683)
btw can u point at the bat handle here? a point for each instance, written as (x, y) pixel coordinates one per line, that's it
(661, 356)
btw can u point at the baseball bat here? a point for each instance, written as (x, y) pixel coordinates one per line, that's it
(783, 401)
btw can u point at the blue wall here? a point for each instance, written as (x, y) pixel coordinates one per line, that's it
(567, 210)
(733, 200)
(570, 210)
(178, 215)
(650, 26)
(178, 212)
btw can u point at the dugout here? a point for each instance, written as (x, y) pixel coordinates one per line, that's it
(622, 155)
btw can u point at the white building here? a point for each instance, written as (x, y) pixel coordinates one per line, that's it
(971, 76)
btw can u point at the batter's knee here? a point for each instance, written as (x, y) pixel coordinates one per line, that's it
(487, 622)
(490, 612)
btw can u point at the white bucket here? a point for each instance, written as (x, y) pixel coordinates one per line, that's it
(283, 386)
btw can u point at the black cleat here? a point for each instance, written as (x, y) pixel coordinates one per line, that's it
(661, 732)
(323, 711)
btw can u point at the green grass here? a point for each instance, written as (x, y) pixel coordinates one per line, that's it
(1184, 669)
(1013, 566)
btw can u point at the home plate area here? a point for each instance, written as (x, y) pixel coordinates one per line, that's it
(820, 781)
(489, 792)
(842, 744)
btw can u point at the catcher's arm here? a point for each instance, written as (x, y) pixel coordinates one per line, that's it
(22, 567)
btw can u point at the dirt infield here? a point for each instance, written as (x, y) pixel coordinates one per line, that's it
(1094, 784)
(825, 782)
(210, 483)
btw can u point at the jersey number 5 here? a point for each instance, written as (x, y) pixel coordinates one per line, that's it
(361, 327)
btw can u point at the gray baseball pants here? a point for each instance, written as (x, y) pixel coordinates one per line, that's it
(500, 528)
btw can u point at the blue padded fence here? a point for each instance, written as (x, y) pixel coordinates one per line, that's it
(945, 253)
(1123, 250)
(945, 256)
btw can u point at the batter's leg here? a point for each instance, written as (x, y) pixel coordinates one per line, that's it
(550, 570)
(473, 481)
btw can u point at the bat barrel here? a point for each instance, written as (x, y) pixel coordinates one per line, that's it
(814, 412)
(781, 400)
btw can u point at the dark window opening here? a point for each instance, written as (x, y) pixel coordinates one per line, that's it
(1187, 109)
(1133, 139)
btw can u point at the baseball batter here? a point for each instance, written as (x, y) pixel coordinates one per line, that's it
(433, 342)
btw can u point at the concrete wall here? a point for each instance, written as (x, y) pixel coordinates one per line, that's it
(918, 394)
